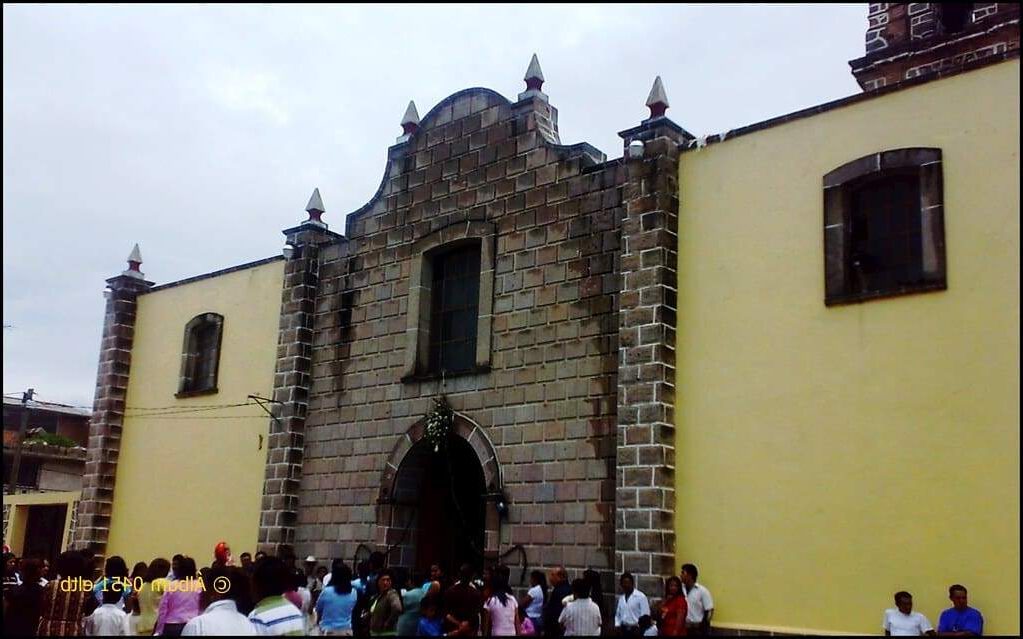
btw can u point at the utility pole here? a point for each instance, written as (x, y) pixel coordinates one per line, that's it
(12, 484)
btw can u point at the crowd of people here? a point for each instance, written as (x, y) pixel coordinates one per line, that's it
(274, 595)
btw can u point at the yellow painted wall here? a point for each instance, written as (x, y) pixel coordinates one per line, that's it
(186, 481)
(828, 457)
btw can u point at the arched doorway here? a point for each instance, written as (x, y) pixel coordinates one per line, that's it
(440, 506)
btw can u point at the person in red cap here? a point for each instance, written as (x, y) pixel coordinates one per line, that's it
(222, 555)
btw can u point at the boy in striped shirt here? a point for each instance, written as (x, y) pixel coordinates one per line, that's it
(274, 615)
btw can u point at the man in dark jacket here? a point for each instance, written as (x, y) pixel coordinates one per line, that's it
(560, 588)
(464, 603)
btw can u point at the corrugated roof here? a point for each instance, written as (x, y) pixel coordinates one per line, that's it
(50, 407)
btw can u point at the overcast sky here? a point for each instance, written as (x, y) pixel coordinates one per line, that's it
(199, 132)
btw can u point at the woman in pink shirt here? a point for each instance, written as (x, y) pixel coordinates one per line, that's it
(499, 611)
(180, 601)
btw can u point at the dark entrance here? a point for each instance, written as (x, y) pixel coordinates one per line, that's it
(44, 532)
(442, 496)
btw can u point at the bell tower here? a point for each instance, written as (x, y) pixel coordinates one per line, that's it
(911, 39)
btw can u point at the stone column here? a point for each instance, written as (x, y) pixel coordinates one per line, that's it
(96, 503)
(645, 474)
(292, 379)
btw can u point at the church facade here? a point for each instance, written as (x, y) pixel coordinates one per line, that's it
(517, 351)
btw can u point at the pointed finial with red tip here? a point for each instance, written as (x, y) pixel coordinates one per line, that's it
(409, 122)
(534, 80)
(534, 75)
(314, 208)
(134, 262)
(657, 100)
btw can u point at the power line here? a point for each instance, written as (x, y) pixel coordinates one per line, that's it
(154, 411)
(204, 417)
(175, 410)
(187, 406)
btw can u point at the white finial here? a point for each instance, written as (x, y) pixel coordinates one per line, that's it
(409, 123)
(533, 72)
(411, 114)
(657, 94)
(534, 80)
(134, 262)
(315, 203)
(315, 209)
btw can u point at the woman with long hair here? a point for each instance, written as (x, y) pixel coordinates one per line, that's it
(180, 602)
(63, 604)
(138, 572)
(138, 575)
(592, 578)
(674, 609)
(336, 602)
(411, 599)
(500, 611)
(438, 581)
(533, 600)
(115, 577)
(154, 584)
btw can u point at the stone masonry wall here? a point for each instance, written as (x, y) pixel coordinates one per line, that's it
(906, 40)
(548, 401)
(94, 508)
(645, 503)
(291, 388)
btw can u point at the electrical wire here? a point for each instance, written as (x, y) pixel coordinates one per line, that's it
(148, 417)
(148, 411)
(183, 410)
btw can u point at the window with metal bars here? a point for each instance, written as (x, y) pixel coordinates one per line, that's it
(454, 309)
(885, 235)
(200, 358)
(884, 231)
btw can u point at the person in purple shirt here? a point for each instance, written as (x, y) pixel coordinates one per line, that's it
(180, 601)
(960, 620)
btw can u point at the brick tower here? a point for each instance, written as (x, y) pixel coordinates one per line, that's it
(908, 40)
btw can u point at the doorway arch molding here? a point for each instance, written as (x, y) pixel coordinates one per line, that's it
(394, 517)
(463, 427)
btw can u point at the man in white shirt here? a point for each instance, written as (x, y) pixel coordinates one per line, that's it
(701, 604)
(901, 621)
(221, 618)
(580, 617)
(632, 604)
(108, 620)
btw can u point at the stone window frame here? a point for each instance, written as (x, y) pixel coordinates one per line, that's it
(838, 187)
(189, 356)
(417, 330)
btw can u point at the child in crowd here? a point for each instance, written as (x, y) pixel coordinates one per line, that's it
(430, 623)
(647, 626)
(108, 620)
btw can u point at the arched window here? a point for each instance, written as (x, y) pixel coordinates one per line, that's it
(884, 231)
(200, 355)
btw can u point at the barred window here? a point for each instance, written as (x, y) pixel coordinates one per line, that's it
(884, 226)
(200, 357)
(455, 309)
(451, 302)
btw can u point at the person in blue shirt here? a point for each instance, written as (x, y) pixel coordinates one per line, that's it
(336, 602)
(960, 620)
(431, 622)
(115, 578)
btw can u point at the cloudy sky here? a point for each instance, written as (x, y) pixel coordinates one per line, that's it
(199, 132)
